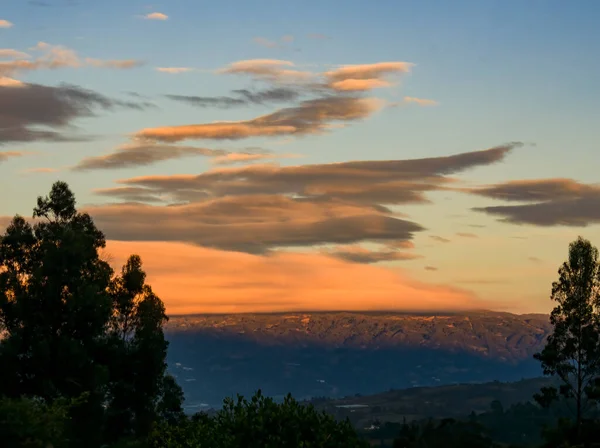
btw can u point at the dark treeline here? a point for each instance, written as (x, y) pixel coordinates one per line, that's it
(83, 361)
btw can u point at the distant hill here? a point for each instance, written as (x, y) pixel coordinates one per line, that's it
(343, 353)
(455, 401)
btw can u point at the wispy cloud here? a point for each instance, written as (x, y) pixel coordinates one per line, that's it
(267, 43)
(547, 202)
(365, 76)
(42, 113)
(466, 235)
(240, 97)
(174, 70)
(9, 53)
(5, 155)
(310, 117)
(420, 101)
(273, 70)
(439, 239)
(134, 155)
(285, 206)
(359, 254)
(5, 23)
(56, 57)
(41, 170)
(156, 16)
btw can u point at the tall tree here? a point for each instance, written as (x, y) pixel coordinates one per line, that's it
(73, 329)
(54, 306)
(138, 375)
(572, 352)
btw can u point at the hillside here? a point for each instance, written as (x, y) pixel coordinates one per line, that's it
(337, 354)
(501, 336)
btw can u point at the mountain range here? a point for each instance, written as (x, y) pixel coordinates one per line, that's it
(336, 354)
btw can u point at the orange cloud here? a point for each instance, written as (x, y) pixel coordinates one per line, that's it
(5, 24)
(365, 76)
(156, 16)
(420, 101)
(9, 82)
(41, 170)
(310, 117)
(173, 70)
(356, 85)
(197, 280)
(13, 54)
(267, 69)
(55, 57)
(113, 63)
(10, 154)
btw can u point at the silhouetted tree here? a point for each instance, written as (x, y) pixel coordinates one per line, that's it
(448, 433)
(260, 423)
(73, 330)
(138, 368)
(572, 352)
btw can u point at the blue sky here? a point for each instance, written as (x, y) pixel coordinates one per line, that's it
(498, 72)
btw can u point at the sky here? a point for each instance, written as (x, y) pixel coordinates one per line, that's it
(274, 155)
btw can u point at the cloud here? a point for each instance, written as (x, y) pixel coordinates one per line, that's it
(260, 208)
(253, 223)
(23, 110)
(5, 23)
(173, 70)
(198, 280)
(273, 70)
(9, 82)
(367, 182)
(9, 53)
(439, 239)
(114, 63)
(41, 170)
(243, 97)
(358, 254)
(156, 16)
(548, 202)
(310, 117)
(134, 155)
(466, 235)
(264, 42)
(420, 101)
(365, 76)
(431, 268)
(55, 57)
(347, 78)
(4, 156)
(242, 157)
(534, 259)
(131, 194)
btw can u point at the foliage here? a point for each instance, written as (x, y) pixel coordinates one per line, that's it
(448, 433)
(572, 352)
(260, 423)
(31, 423)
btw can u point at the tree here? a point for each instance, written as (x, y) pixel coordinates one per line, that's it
(72, 329)
(448, 433)
(54, 307)
(260, 423)
(572, 352)
(138, 381)
(30, 423)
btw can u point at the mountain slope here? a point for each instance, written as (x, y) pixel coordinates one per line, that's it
(336, 354)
